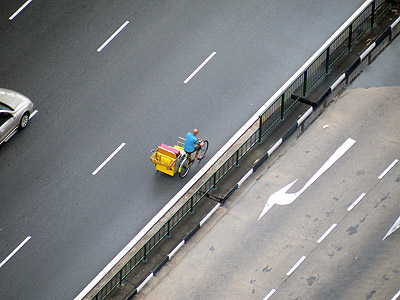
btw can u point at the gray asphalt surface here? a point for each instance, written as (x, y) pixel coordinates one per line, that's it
(235, 256)
(384, 71)
(131, 92)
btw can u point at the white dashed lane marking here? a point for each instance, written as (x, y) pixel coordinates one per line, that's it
(200, 67)
(20, 9)
(14, 252)
(108, 159)
(113, 36)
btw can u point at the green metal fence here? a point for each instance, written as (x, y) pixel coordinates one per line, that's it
(271, 116)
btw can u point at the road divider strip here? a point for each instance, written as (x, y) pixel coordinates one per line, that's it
(337, 82)
(291, 130)
(173, 252)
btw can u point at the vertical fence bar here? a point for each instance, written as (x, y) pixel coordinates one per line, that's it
(120, 277)
(145, 253)
(168, 228)
(350, 37)
(327, 60)
(260, 128)
(237, 158)
(214, 187)
(373, 14)
(305, 83)
(191, 205)
(282, 106)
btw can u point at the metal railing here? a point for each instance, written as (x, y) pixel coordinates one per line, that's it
(275, 112)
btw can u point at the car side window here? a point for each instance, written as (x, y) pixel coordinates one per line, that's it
(4, 117)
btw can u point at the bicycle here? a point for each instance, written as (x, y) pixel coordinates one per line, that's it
(187, 159)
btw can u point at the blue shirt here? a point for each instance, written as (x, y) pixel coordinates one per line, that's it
(190, 142)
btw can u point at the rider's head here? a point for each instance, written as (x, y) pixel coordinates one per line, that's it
(195, 132)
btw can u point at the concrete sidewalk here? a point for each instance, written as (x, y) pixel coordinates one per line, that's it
(224, 259)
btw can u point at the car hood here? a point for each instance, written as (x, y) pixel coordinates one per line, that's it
(12, 98)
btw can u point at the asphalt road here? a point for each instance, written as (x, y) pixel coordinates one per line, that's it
(132, 92)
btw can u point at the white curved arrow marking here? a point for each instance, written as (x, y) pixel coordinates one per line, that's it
(394, 227)
(282, 198)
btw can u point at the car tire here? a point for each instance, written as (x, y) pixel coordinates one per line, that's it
(24, 121)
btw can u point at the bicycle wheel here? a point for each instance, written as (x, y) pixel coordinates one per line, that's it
(203, 150)
(183, 168)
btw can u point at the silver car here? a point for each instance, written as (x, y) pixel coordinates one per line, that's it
(15, 111)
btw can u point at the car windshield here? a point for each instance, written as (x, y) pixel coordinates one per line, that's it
(4, 106)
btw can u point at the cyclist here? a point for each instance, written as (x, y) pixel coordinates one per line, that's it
(191, 143)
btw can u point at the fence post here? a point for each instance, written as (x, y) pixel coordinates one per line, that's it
(260, 129)
(120, 277)
(237, 158)
(214, 187)
(145, 253)
(327, 60)
(282, 106)
(350, 37)
(168, 228)
(305, 83)
(373, 14)
(191, 205)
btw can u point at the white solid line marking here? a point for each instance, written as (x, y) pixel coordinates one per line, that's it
(15, 251)
(108, 159)
(33, 114)
(326, 233)
(19, 10)
(388, 168)
(296, 266)
(199, 68)
(113, 36)
(356, 202)
(270, 294)
(396, 296)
